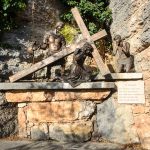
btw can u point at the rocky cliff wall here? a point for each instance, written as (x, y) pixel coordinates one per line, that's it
(33, 24)
(14, 56)
(113, 121)
(131, 19)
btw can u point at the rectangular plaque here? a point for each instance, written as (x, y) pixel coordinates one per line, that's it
(131, 92)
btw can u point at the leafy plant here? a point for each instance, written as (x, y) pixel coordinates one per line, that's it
(69, 33)
(8, 11)
(95, 13)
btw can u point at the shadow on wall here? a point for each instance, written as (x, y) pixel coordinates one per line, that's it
(34, 23)
(8, 120)
(40, 145)
(36, 145)
(33, 26)
(56, 133)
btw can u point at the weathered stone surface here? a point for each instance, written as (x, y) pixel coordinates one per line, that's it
(58, 111)
(142, 125)
(131, 20)
(30, 124)
(22, 123)
(8, 120)
(77, 131)
(39, 132)
(53, 145)
(147, 110)
(25, 96)
(88, 108)
(147, 90)
(142, 63)
(115, 122)
(138, 109)
(2, 98)
(97, 95)
(21, 105)
(14, 56)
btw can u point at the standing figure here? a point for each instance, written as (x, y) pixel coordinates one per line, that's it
(79, 72)
(55, 42)
(124, 61)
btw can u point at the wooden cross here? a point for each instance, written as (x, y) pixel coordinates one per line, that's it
(102, 67)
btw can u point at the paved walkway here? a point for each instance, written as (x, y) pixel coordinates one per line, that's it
(46, 145)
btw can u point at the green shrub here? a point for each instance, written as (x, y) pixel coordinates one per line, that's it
(8, 11)
(95, 13)
(69, 33)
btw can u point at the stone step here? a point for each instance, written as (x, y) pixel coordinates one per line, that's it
(44, 145)
(55, 86)
(120, 76)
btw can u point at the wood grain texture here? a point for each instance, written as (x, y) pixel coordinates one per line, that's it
(102, 67)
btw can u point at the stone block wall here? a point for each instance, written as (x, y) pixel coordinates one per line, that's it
(80, 116)
(61, 116)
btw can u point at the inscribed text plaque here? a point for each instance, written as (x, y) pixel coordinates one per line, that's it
(131, 92)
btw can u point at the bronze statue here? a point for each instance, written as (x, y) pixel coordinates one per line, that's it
(79, 72)
(34, 46)
(124, 61)
(54, 42)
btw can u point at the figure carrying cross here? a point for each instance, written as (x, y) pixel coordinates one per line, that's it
(67, 51)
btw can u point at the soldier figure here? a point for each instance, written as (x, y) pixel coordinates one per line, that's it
(54, 42)
(124, 61)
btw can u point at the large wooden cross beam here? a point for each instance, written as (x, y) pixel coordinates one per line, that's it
(102, 67)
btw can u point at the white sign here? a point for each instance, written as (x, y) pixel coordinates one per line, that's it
(131, 92)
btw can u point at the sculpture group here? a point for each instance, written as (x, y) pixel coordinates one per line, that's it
(55, 44)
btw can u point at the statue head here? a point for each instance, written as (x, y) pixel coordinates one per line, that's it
(87, 48)
(117, 39)
(59, 25)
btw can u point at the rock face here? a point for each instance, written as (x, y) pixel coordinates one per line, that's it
(115, 122)
(2, 98)
(40, 132)
(131, 19)
(76, 132)
(13, 53)
(8, 120)
(8, 117)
